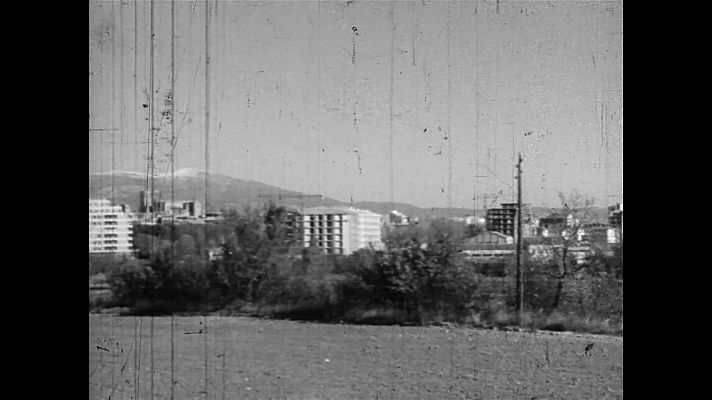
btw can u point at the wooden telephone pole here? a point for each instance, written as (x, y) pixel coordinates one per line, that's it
(519, 297)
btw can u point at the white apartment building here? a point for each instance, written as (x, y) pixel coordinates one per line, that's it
(340, 230)
(109, 228)
(365, 229)
(327, 228)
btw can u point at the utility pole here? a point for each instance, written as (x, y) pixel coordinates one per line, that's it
(207, 155)
(474, 201)
(519, 297)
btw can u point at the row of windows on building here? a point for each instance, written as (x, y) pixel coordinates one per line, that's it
(110, 228)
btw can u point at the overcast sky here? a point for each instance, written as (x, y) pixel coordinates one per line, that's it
(425, 102)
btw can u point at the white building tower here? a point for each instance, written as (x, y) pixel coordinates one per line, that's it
(110, 228)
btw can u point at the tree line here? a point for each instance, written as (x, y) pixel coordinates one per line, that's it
(420, 277)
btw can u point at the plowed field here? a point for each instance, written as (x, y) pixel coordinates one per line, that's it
(246, 358)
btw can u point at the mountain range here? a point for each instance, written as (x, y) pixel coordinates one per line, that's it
(123, 187)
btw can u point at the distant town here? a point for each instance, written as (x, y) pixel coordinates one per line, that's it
(344, 230)
(355, 199)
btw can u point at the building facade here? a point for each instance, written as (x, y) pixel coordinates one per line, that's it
(339, 230)
(615, 215)
(179, 209)
(503, 220)
(110, 228)
(365, 229)
(325, 227)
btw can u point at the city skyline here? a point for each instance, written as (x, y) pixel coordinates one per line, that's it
(304, 96)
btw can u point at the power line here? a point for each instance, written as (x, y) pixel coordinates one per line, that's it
(519, 296)
(113, 102)
(121, 87)
(173, 163)
(135, 74)
(207, 125)
(477, 113)
(390, 113)
(319, 170)
(101, 136)
(151, 128)
(513, 163)
(449, 108)
(152, 108)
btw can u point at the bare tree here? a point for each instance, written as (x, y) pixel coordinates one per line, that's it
(577, 210)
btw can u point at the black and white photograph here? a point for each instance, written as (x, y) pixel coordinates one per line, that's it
(357, 199)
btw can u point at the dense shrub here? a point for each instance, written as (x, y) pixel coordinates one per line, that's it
(107, 263)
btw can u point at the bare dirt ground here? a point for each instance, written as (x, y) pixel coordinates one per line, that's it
(247, 358)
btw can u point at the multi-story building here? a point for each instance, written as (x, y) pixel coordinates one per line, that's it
(503, 220)
(110, 228)
(365, 228)
(325, 227)
(179, 209)
(339, 230)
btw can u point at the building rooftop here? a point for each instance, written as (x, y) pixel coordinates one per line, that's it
(487, 246)
(489, 237)
(324, 210)
(336, 210)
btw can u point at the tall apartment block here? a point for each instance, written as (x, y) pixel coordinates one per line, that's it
(110, 228)
(503, 220)
(339, 230)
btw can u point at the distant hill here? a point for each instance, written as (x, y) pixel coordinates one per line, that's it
(189, 184)
(229, 192)
(224, 191)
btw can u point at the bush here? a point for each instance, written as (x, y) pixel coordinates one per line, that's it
(108, 263)
(159, 286)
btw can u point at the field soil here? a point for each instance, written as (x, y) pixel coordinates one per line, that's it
(248, 358)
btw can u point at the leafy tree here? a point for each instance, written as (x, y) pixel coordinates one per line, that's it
(186, 246)
(444, 236)
(258, 245)
(411, 274)
(474, 230)
(403, 236)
